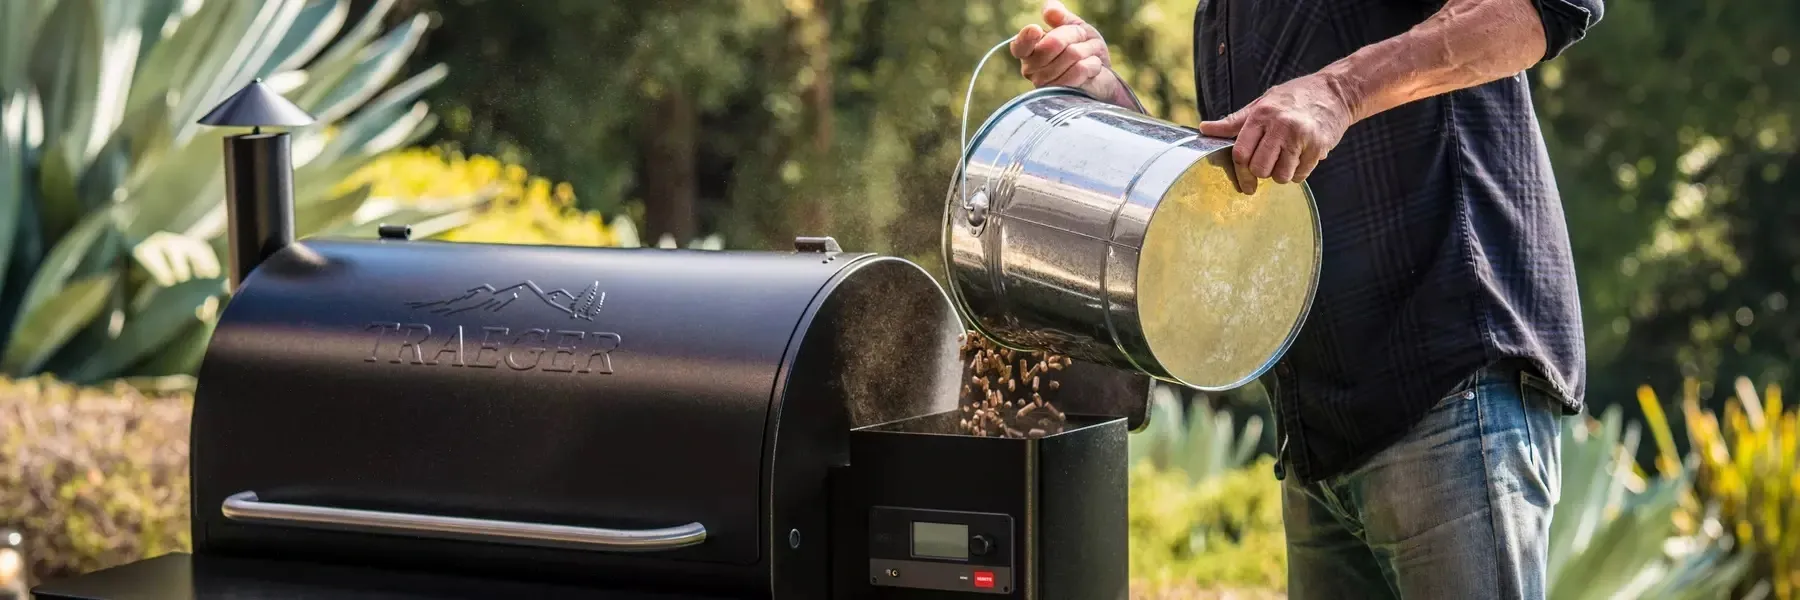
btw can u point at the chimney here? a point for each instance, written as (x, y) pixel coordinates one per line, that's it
(259, 175)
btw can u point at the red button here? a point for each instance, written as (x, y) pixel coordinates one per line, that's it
(984, 579)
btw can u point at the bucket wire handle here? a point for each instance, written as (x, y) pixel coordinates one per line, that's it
(977, 206)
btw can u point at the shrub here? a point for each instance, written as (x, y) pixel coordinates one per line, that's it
(1748, 473)
(92, 476)
(1202, 444)
(1225, 531)
(520, 208)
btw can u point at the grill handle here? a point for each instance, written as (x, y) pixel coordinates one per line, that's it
(244, 507)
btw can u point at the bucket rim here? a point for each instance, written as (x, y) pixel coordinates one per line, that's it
(1315, 274)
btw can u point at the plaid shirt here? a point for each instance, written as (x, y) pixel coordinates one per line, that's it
(1445, 248)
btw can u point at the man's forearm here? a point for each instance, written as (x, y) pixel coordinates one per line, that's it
(1466, 44)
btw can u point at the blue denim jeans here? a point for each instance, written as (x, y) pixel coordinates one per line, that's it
(1459, 508)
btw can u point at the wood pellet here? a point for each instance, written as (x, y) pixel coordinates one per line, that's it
(1009, 393)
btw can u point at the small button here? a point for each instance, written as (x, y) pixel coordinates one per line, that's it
(1221, 48)
(984, 579)
(1469, 395)
(980, 545)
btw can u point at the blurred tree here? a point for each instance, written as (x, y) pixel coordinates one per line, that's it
(611, 96)
(1671, 128)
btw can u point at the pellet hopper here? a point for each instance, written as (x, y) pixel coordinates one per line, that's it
(399, 418)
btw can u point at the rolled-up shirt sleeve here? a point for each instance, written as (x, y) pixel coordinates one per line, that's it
(1566, 22)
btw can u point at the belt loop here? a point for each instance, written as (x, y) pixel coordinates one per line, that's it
(1280, 453)
(1287, 419)
(1275, 389)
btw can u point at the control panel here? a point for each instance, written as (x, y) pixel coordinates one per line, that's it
(941, 550)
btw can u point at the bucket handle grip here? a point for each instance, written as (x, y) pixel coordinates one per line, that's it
(976, 206)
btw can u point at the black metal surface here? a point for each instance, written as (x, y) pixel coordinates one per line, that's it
(1083, 521)
(333, 379)
(259, 200)
(880, 347)
(190, 577)
(1065, 493)
(256, 106)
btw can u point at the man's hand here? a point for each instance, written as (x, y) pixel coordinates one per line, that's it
(1286, 132)
(1071, 54)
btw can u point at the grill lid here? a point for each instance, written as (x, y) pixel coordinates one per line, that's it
(605, 389)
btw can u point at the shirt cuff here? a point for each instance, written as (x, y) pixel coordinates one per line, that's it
(1566, 22)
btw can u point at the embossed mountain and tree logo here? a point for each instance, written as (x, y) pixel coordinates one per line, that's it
(584, 305)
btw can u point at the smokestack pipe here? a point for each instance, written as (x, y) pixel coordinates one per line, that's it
(259, 175)
(259, 199)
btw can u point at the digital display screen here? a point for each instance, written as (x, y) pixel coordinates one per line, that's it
(940, 540)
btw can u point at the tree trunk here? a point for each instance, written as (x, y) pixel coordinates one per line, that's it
(669, 170)
(819, 96)
(814, 217)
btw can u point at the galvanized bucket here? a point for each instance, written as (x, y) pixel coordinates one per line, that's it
(1113, 237)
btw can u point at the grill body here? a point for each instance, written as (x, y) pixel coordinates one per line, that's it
(621, 390)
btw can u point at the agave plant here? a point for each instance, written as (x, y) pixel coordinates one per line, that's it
(1615, 534)
(1204, 444)
(111, 196)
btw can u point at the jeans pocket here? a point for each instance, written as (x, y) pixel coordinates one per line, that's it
(1541, 407)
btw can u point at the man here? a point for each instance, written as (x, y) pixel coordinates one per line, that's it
(1419, 409)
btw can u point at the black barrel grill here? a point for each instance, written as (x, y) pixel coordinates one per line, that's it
(393, 418)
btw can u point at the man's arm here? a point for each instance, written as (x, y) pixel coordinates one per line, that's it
(1467, 43)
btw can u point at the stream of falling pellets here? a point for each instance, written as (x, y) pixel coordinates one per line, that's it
(1007, 393)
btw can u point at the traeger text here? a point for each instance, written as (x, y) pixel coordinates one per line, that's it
(541, 349)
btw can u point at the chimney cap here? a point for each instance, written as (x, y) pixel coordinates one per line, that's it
(256, 106)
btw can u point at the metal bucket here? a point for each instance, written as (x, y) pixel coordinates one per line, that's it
(1109, 236)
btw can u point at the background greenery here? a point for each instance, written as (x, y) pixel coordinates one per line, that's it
(719, 123)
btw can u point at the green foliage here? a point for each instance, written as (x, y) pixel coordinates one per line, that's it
(1201, 511)
(811, 117)
(1225, 531)
(92, 477)
(111, 196)
(1672, 132)
(1203, 445)
(1615, 534)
